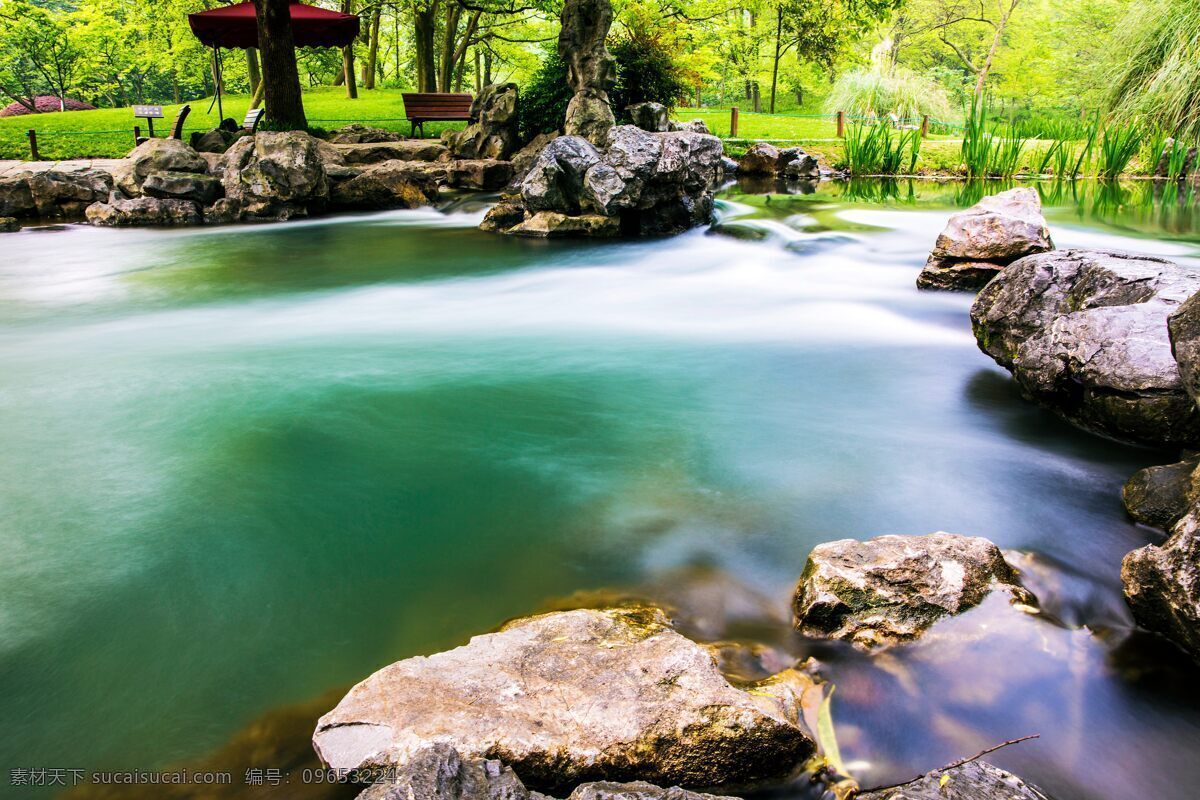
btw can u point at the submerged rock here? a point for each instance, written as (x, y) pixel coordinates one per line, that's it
(975, 780)
(890, 589)
(979, 242)
(1162, 584)
(120, 212)
(1161, 496)
(1084, 333)
(568, 697)
(553, 225)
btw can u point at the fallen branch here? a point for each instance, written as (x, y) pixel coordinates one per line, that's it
(956, 764)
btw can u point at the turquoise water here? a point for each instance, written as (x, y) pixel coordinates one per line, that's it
(246, 466)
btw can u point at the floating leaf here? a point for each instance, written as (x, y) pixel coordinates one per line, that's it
(826, 736)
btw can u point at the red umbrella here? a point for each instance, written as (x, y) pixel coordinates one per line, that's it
(237, 27)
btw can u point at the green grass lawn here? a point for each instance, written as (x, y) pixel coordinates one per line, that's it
(108, 133)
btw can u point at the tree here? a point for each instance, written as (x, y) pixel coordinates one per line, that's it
(281, 79)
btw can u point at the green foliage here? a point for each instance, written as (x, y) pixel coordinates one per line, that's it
(645, 72)
(1155, 73)
(1177, 160)
(877, 149)
(976, 144)
(1118, 144)
(873, 93)
(545, 97)
(1007, 146)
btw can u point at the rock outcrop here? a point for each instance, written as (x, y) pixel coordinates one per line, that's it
(979, 242)
(276, 175)
(392, 184)
(645, 183)
(591, 69)
(1162, 584)
(156, 156)
(52, 194)
(638, 790)
(144, 211)
(766, 160)
(493, 131)
(377, 152)
(1084, 333)
(890, 589)
(193, 186)
(357, 133)
(575, 696)
(650, 117)
(975, 780)
(1161, 496)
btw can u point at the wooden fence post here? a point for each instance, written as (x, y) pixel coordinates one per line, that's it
(841, 124)
(33, 150)
(925, 126)
(733, 122)
(137, 134)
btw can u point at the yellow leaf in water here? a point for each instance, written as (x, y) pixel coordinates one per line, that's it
(826, 736)
(945, 779)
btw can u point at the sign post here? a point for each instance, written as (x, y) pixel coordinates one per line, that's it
(148, 113)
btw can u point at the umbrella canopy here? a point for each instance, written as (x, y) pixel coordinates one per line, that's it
(237, 27)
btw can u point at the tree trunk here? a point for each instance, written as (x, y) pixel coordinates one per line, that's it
(373, 50)
(424, 26)
(348, 58)
(757, 97)
(281, 79)
(449, 43)
(478, 71)
(487, 67)
(252, 69)
(778, 54)
(986, 67)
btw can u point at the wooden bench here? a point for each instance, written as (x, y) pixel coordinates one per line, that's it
(422, 107)
(253, 117)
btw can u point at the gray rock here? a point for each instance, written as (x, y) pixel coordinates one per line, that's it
(392, 184)
(277, 174)
(996, 231)
(120, 212)
(1162, 584)
(357, 133)
(202, 189)
(729, 166)
(494, 131)
(637, 790)
(505, 214)
(16, 200)
(692, 126)
(553, 225)
(155, 155)
(1161, 496)
(555, 181)
(802, 167)
(58, 193)
(975, 780)
(9, 224)
(523, 159)
(649, 116)
(1084, 333)
(222, 212)
(761, 158)
(479, 175)
(1183, 327)
(568, 697)
(890, 589)
(376, 152)
(217, 140)
(591, 69)
(438, 772)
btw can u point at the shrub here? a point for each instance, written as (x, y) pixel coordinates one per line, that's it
(544, 99)
(874, 93)
(645, 72)
(1155, 75)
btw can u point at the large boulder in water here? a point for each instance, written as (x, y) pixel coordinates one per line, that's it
(555, 181)
(575, 696)
(979, 242)
(392, 184)
(156, 155)
(1162, 584)
(1161, 496)
(1084, 333)
(276, 174)
(892, 588)
(975, 780)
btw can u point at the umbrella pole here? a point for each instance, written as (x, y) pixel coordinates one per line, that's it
(217, 82)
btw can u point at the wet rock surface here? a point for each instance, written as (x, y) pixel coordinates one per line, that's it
(1162, 584)
(576, 696)
(975, 780)
(438, 772)
(979, 242)
(1184, 330)
(1084, 333)
(145, 211)
(193, 186)
(890, 589)
(644, 183)
(1161, 496)
(392, 184)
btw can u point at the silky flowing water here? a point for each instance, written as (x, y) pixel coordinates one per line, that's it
(245, 467)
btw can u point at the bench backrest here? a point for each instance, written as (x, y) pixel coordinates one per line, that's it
(253, 117)
(437, 105)
(177, 128)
